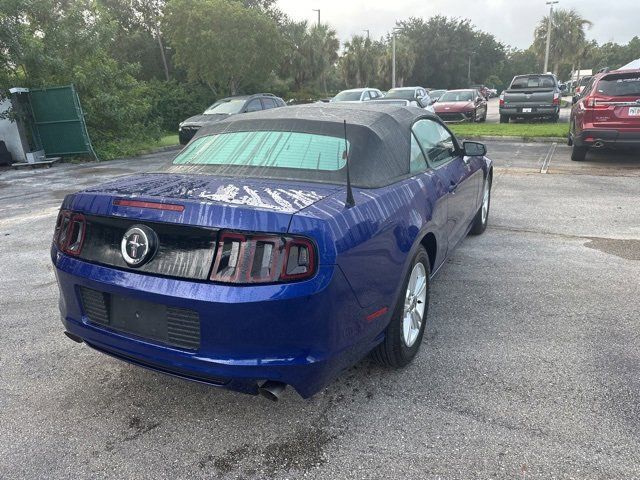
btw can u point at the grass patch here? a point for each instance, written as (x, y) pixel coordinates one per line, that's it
(168, 140)
(527, 130)
(132, 147)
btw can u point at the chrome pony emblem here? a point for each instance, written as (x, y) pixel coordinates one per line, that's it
(138, 245)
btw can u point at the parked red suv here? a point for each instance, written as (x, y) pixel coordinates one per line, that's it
(607, 113)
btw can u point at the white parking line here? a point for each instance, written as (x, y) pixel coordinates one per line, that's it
(547, 159)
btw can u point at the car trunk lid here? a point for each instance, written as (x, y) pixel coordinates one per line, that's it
(209, 201)
(186, 213)
(616, 101)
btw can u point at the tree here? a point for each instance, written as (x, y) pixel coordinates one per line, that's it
(140, 33)
(443, 47)
(309, 53)
(222, 43)
(56, 42)
(323, 51)
(405, 60)
(359, 62)
(517, 62)
(567, 37)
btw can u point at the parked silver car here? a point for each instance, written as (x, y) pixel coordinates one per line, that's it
(358, 95)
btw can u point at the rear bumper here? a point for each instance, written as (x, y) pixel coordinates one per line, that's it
(607, 138)
(536, 111)
(301, 334)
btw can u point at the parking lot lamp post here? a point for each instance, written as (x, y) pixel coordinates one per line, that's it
(469, 69)
(393, 57)
(546, 53)
(317, 10)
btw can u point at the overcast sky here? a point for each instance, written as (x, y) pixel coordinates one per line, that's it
(511, 21)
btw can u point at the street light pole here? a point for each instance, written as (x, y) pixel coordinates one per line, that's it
(469, 72)
(393, 61)
(393, 57)
(367, 30)
(546, 54)
(317, 10)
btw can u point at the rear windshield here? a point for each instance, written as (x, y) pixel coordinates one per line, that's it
(347, 96)
(584, 81)
(465, 96)
(627, 85)
(533, 81)
(225, 106)
(405, 93)
(268, 150)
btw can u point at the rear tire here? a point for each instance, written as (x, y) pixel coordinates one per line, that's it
(403, 336)
(482, 217)
(578, 154)
(504, 118)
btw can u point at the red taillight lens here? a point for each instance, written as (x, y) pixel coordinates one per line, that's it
(556, 99)
(591, 103)
(244, 258)
(70, 232)
(502, 99)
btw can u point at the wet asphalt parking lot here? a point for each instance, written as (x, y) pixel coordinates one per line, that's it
(529, 369)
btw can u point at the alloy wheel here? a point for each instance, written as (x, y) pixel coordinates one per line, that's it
(414, 304)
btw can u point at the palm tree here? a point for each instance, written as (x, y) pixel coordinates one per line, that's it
(359, 61)
(567, 37)
(323, 45)
(310, 53)
(405, 60)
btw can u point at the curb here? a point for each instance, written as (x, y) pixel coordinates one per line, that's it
(497, 138)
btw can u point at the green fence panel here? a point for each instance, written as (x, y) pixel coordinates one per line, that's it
(59, 121)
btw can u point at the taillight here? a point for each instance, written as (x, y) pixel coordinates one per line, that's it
(247, 258)
(502, 99)
(591, 103)
(70, 232)
(556, 99)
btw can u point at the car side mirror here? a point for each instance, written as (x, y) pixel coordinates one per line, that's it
(474, 149)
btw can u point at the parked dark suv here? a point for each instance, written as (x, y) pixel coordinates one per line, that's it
(606, 113)
(225, 107)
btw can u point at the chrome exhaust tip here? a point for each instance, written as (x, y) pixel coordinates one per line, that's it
(598, 144)
(272, 390)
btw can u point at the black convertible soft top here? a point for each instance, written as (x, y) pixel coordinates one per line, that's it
(379, 135)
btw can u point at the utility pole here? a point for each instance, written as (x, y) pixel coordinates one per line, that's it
(393, 61)
(469, 69)
(393, 57)
(546, 54)
(317, 10)
(367, 30)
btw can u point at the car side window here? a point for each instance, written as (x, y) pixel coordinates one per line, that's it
(436, 141)
(268, 103)
(254, 105)
(366, 96)
(418, 163)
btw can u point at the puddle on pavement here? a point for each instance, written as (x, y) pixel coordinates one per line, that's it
(627, 249)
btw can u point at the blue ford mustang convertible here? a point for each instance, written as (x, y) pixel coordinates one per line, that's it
(276, 249)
